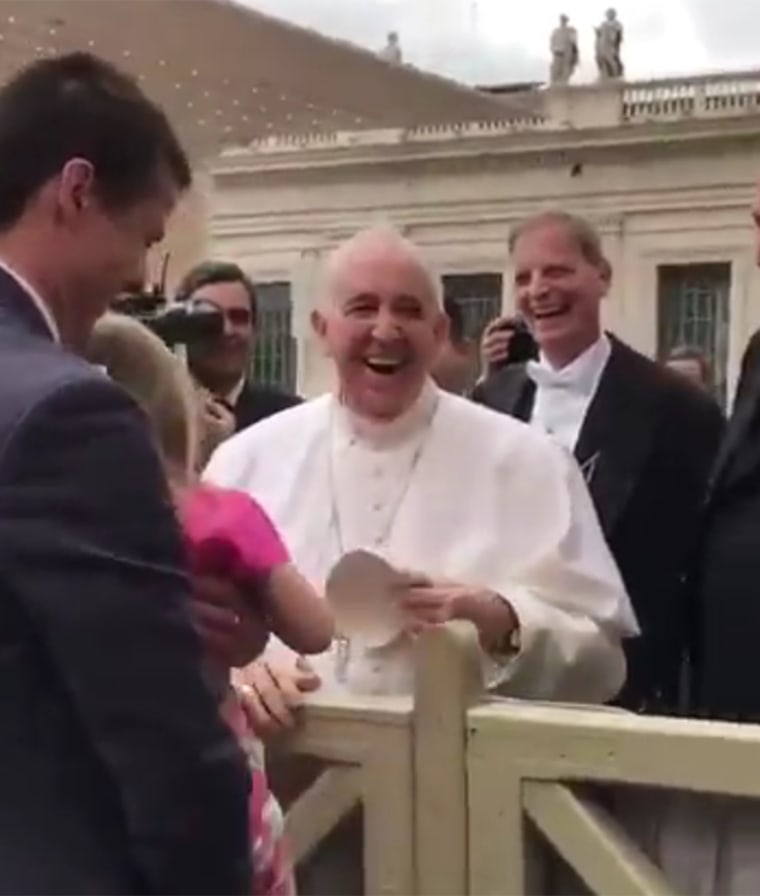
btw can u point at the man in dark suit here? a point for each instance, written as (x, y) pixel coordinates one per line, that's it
(222, 366)
(644, 438)
(116, 772)
(726, 614)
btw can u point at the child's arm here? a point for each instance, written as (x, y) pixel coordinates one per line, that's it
(297, 613)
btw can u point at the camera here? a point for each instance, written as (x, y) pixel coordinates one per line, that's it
(185, 323)
(522, 346)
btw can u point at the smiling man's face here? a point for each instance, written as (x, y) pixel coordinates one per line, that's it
(558, 290)
(382, 325)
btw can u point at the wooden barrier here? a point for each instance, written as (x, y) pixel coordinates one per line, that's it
(454, 783)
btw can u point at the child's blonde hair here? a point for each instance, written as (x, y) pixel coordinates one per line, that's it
(138, 360)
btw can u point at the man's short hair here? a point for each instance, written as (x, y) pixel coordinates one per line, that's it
(582, 232)
(79, 106)
(207, 273)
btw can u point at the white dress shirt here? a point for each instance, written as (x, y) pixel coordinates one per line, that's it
(36, 298)
(563, 396)
(457, 492)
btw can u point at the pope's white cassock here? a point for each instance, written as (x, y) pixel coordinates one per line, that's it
(458, 492)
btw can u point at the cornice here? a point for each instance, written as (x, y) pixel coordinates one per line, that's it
(542, 143)
(608, 210)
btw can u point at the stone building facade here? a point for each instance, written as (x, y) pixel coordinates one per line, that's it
(666, 170)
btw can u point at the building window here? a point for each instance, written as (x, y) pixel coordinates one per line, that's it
(693, 310)
(275, 353)
(479, 297)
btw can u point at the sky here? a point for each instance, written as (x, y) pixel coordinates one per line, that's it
(503, 41)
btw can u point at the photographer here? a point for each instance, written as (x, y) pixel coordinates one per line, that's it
(221, 364)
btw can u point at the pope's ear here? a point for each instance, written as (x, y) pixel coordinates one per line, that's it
(319, 328)
(442, 328)
(318, 324)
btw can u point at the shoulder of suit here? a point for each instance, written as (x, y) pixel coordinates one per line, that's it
(499, 379)
(49, 373)
(666, 386)
(272, 397)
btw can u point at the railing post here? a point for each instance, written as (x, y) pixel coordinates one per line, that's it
(448, 680)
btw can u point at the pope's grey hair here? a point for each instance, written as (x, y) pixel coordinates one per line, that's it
(384, 235)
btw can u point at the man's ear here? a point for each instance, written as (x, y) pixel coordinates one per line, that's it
(76, 188)
(442, 329)
(605, 273)
(318, 324)
(319, 327)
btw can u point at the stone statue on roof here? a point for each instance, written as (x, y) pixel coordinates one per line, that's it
(391, 52)
(609, 45)
(564, 50)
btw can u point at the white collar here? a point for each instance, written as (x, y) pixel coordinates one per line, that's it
(36, 298)
(580, 375)
(383, 433)
(234, 394)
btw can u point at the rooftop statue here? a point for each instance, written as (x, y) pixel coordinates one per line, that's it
(609, 43)
(564, 50)
(391, 52)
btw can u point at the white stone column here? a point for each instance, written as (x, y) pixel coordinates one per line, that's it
(614, 307)
(188, 235)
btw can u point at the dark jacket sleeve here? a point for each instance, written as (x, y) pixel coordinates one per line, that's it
(91, 550)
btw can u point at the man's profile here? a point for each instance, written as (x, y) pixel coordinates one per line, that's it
(116, 772)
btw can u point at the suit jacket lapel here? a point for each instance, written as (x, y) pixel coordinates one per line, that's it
(18, 308)
(745, 411)
(615, 437)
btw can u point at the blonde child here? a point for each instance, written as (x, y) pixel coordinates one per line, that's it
(228, 536)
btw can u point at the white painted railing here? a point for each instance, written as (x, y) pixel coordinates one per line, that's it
(455, 784)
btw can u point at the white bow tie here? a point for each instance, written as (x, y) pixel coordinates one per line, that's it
(546, 378)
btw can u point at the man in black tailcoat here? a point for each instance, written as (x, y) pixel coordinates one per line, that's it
(644, 438)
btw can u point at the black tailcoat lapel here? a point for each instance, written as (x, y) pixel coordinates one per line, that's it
(616, 435)
(744, 418)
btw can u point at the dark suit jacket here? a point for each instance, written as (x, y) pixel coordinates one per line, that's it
(258, 402)
(726, 582)
(116, 773)
(646, 446)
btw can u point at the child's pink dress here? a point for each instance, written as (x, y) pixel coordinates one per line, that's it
(228, 534)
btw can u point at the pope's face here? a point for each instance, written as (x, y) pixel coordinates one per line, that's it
(382, 326)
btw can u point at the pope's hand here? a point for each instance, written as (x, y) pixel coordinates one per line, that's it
(433, 603)
(430, 603)
(271, 693)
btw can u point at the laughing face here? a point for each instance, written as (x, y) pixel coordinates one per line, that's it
(381, 324)
(558, 290)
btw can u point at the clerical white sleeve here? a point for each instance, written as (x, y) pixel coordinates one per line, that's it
(567, 593)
